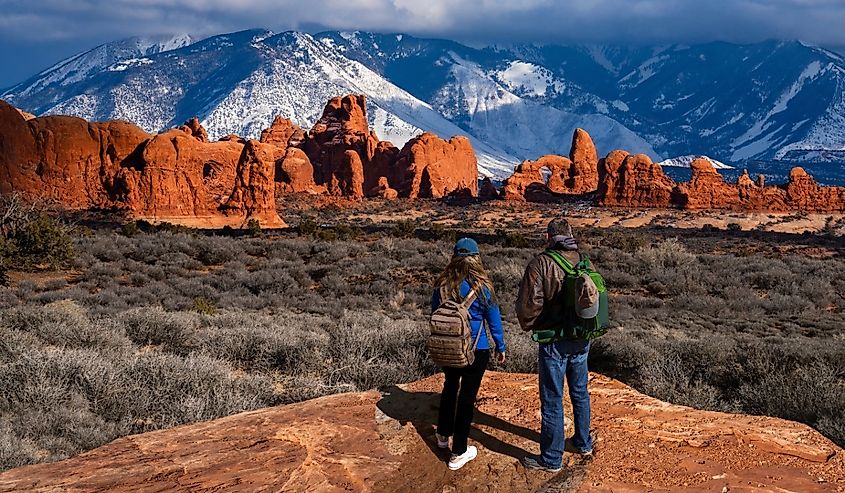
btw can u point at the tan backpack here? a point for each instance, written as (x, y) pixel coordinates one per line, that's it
(450, 343)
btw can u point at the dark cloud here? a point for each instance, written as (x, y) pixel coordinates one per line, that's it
(38, 32)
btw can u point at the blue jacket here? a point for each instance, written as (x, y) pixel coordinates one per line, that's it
(481, 309)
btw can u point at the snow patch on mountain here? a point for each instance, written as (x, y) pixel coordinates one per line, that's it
(527, 78)
(686, 162)
(524, 128)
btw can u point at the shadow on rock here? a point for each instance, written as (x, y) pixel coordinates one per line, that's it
(420, 410)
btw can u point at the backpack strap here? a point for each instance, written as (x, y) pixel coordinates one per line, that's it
(584, 262)
(470, 297)
(444, 294)
(561, 261)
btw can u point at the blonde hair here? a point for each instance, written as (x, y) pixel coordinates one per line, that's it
(469, 268)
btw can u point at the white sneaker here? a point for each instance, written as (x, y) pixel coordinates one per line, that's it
(442, 442)
(458, 461)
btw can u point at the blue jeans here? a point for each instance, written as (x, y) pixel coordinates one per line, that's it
(556, 360)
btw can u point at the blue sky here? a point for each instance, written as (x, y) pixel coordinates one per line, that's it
(36, 33)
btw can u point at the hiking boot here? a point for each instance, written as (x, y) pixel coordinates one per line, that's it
(584, 454)
(569, 447)
(458, 461)
(442, 442)
(536, 463)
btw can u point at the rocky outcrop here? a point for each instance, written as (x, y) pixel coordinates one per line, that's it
(174, 175)
(488, 191)
(195, 128)
(706, 189)
(295, 174)
(254, 196)
(383, 190)
(283, 133)
(551, 176)
(430, 167)
(802, 193)
(583, 175)
(63, 158)
(341, 131)
(384, 442)
(635, 182)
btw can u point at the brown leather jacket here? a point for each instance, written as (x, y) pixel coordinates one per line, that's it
(541, 285)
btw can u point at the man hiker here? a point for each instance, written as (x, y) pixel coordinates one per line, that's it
(540, 306)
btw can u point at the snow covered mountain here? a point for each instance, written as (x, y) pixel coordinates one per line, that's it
(740, 104)
(237, 83)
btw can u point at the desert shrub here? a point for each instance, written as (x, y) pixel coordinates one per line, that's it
(253, 226)
(204, 306)
(404, 229)
(441, 232)
(512, 239)
(40, 241)
(296, 318)
(130, 229)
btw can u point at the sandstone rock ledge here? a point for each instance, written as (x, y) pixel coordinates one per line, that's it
(374, 441)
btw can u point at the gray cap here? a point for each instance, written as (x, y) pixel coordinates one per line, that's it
(586, 297)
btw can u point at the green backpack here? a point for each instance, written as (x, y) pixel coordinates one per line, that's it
(573, 327)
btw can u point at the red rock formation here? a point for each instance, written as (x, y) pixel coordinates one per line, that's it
(62, 157)
(347, 179)
(295, 174)
(370, 441)
(195, 128)
(382, 165)
(539, 180)
(576, 175)
(488, 191)
(637, 182)
(583, 175)
(343, 127)
(175, 175)
(802, 193)
(253, 196)
(609, 172)
(283, 133)
(430, 167)
(383, 190)
(707, 189)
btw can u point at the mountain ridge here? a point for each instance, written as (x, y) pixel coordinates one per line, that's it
(772, 100)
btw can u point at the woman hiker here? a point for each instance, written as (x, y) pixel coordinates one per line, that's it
(465, 273)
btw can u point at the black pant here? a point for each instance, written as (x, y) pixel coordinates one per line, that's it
(457, 402)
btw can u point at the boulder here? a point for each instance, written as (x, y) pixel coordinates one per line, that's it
(383, 190)
(430, 167)
(254, 195)
(295, 174)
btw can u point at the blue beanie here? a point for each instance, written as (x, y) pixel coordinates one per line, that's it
(466, 247)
